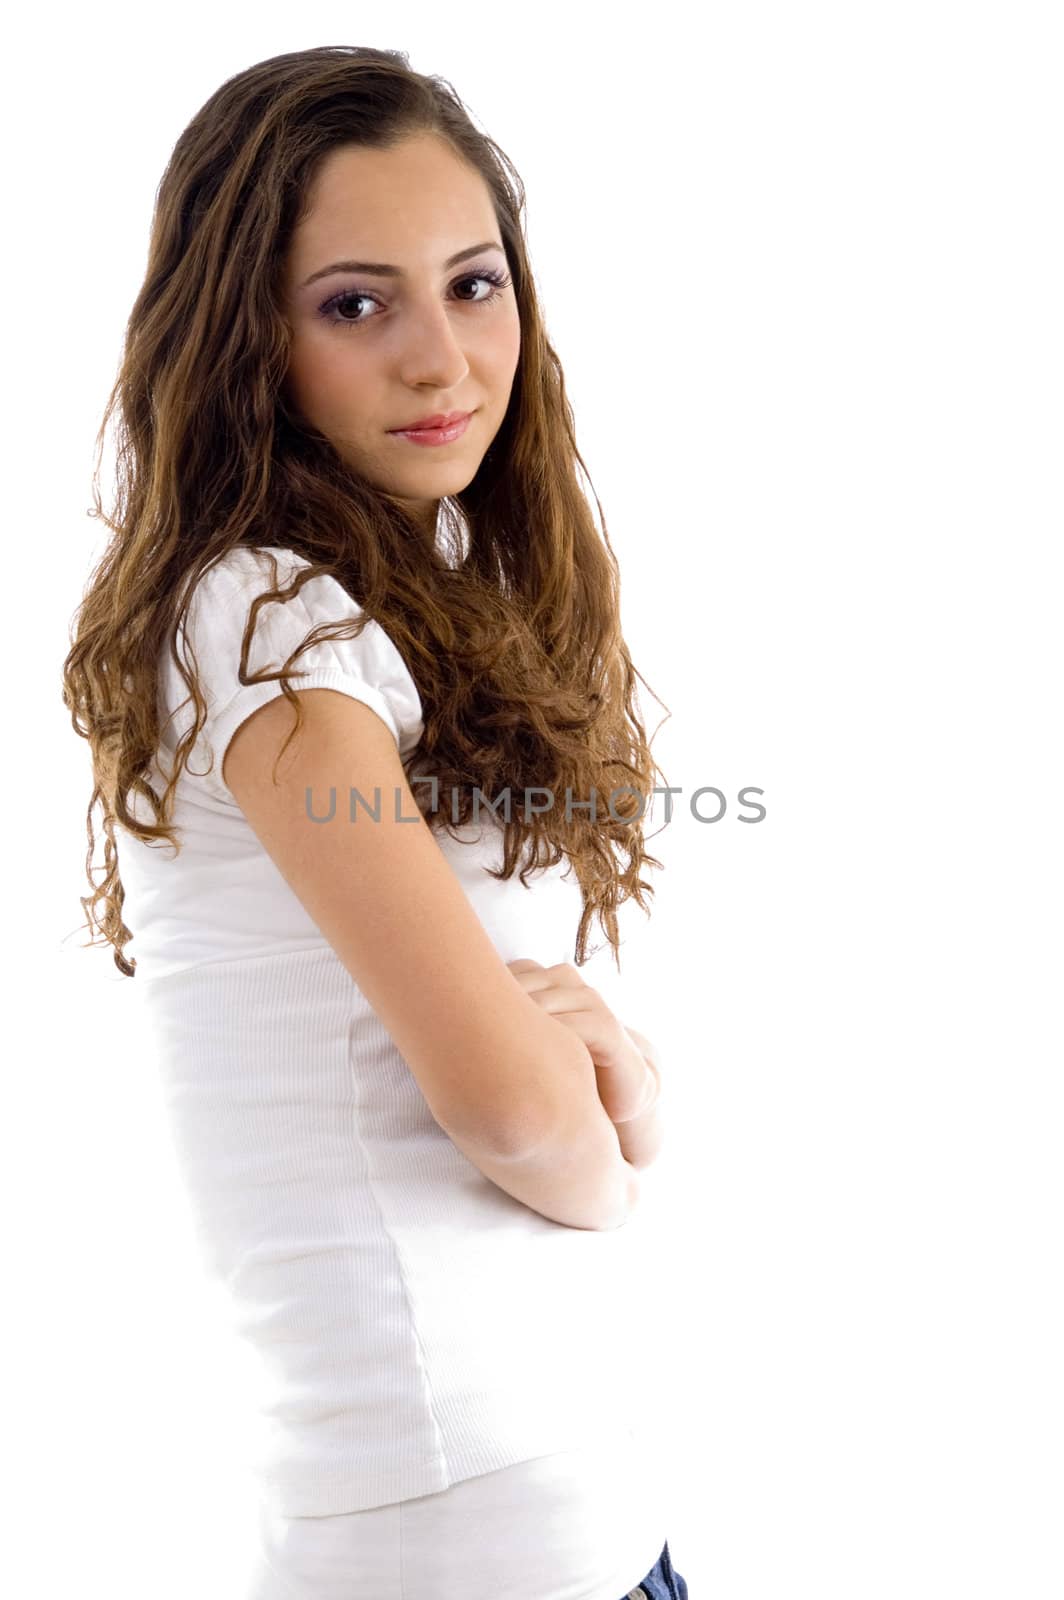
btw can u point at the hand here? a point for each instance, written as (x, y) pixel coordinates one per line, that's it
(622, 1072)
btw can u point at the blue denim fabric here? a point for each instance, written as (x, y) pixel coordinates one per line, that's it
(662, 1582)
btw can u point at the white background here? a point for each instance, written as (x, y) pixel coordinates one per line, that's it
(803, 267)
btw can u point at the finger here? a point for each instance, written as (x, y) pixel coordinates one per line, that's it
(567, 973)
(529, 974)
(567, 1003)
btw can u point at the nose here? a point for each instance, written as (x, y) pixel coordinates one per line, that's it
(431, 353)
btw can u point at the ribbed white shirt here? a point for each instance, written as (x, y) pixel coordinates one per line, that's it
(415, 1326)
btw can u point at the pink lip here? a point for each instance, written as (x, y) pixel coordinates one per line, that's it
(441, 419)
(434, 436)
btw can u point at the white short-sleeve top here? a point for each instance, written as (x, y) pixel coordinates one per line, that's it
(414, 1324)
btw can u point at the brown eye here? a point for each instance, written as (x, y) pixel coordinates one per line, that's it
(331, 308)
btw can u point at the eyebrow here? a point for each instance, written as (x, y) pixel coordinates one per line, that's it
(381, 269)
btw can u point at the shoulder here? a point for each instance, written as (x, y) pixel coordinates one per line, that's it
(308, 631)
(222, 596)
(248, 570)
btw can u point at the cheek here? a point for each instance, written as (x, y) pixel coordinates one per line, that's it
(321, 374)
(506, 349)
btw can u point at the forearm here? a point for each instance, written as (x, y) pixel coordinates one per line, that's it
(574, 1173)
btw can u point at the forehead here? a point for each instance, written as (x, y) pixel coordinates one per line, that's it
(412, 204)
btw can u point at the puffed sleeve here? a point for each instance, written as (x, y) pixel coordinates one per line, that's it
(368, 668)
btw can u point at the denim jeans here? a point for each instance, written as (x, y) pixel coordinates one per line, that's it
(662, 1582)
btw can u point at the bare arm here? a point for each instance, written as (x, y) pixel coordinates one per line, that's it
(508, 1083)
(579, 1173)
(627, 1076)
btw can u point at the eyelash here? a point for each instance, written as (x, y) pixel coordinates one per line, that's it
(499, 279)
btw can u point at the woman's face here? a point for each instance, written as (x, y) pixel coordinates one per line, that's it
(375, 350)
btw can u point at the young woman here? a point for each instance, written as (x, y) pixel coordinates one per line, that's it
(364, 737)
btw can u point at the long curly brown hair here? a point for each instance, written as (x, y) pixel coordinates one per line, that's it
(515, 646)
